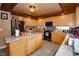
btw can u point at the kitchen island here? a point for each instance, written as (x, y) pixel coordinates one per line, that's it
(23, 45)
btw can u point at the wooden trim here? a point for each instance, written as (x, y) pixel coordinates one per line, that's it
(8, 6)
(50, 14)
(25, 15)
(42, 16)
(68, 7)
(61, 7)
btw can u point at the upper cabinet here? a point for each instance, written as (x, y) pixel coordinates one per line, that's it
(77, 16)
(65, 20)
(61, 20)
(30, 22)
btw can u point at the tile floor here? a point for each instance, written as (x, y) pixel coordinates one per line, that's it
(48, 49)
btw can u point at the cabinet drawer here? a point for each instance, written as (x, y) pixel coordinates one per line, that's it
(18, 43)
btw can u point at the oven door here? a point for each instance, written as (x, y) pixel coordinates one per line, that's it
(47, 35)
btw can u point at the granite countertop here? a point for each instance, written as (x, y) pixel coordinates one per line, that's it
(28, 36)
(64, 50)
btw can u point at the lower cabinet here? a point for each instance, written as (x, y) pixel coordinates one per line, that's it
(30, 46)
(58, 37)
(33, 44)
(17, 48)
(24, 47)
(17, 51)
(38, 43)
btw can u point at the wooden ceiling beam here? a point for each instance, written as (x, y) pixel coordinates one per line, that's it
(68, 7)
(8, 6)
(51, 14)
(25, 15)
(61, 7)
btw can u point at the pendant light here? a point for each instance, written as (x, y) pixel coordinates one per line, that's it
(32, 8)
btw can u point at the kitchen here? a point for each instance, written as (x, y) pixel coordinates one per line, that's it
(39, 29)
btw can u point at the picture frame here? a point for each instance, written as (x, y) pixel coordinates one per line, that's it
(4, 16)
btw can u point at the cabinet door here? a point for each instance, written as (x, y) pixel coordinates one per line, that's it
(17, 43)
(58, 37)
(38, 43)
(17, 51)
(30, 46)
(18, 48)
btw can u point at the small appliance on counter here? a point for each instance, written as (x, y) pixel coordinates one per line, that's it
(17, 32)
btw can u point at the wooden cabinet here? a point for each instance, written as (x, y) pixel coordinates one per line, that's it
(24, 46)
(33, 44)
(38, 31)
(77, 16)
(38, 43)
(17, 48)
(58, 37)
(30, 46)
(17, 51)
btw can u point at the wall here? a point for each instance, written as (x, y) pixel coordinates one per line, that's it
(5, 24)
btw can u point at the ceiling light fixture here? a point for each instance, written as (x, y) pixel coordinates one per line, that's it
(32, 8)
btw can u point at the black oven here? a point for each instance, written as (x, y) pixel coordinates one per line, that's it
(47, 35)
(48, 30)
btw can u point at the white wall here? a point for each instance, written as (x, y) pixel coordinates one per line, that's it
(5, 24)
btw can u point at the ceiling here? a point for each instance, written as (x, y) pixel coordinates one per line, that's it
(41, 10)
(68, 7)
